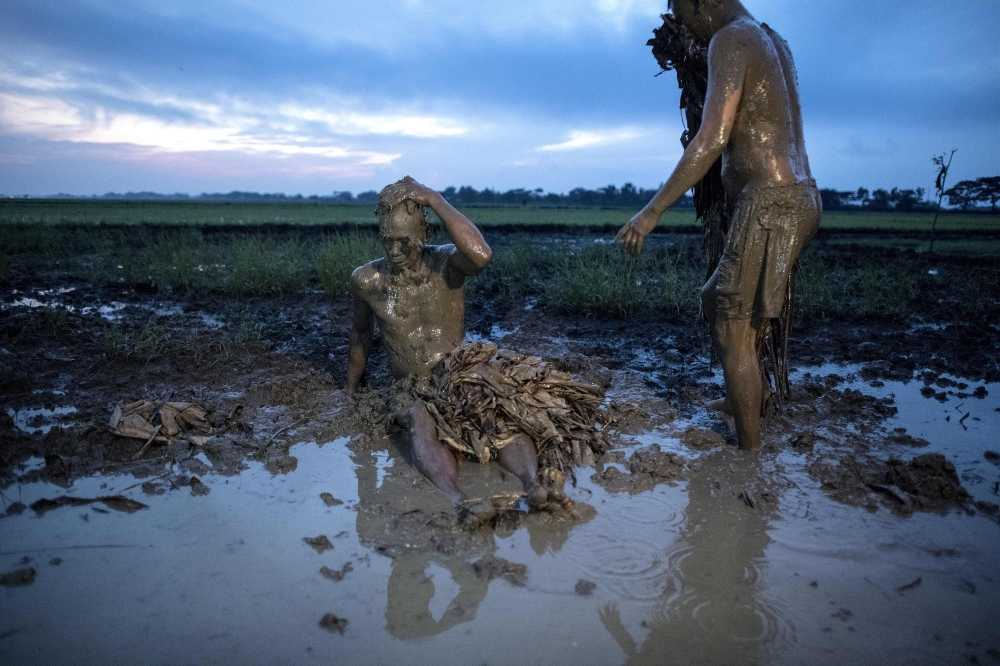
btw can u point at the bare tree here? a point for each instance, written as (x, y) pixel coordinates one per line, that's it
(939, 185)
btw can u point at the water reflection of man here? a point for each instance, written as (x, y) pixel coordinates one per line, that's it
(714, 611)
(410, 589)
(387, 514)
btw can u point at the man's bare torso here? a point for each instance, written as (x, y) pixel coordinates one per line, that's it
(766, 147)
(421, 316)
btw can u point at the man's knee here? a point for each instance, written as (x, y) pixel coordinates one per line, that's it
(732, 333)
(418, 417)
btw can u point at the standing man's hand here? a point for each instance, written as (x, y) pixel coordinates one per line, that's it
(633, 233)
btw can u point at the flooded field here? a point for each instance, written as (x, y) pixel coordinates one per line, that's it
(865, 531)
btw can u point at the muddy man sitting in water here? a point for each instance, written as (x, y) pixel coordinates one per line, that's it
(416, 293)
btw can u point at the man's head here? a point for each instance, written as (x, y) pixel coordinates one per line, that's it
(402, 225)
(705, 17)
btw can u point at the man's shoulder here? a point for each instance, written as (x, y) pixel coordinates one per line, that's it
(739, 33)
(366, 277)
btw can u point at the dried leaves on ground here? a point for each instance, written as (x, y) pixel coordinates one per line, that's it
(142, 420)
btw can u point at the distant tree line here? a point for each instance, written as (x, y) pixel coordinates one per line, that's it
(965, 195)
(903, 201)
(627, 196)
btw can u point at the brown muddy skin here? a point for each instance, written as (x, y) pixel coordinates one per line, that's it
(416, 296)
(753, 121)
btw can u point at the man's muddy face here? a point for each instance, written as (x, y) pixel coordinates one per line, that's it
(403, 237)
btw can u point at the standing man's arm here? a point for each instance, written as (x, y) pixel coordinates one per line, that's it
(727, 65)
(473, 252)
(361, 342)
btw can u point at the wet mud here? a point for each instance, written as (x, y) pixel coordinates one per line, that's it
(682, 547)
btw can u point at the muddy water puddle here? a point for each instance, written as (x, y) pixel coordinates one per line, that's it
(740, 559)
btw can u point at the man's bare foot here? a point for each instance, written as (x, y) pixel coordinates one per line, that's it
(720, 405)
(547, 494)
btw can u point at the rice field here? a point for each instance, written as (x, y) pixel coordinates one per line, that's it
(306, 213)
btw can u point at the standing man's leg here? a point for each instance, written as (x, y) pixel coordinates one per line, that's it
(736, 342)
(736, 339)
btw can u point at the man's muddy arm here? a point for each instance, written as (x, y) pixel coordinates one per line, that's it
(727, 67)
(473, 252)
(360, 344)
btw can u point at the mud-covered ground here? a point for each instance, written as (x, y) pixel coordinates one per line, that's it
(852, 447)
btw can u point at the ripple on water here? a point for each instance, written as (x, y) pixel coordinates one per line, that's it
(628, 567)
(733, 605)
(657, 507)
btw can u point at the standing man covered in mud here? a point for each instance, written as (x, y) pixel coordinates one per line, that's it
(416, 294)
(753, 121)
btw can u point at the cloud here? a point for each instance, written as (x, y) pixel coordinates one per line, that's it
(586, 139)
(57, 120)
(353, 123)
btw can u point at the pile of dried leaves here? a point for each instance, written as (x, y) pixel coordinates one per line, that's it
(482, 398)
(143, 420)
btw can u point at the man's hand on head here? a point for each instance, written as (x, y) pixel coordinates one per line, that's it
(419, 194)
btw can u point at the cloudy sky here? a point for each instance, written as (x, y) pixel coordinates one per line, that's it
(312, 96)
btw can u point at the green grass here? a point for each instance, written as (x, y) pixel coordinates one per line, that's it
(827, 288)
(339, 254)
(142, 346)
(6, 267)
(600, 281)
(258, 265)
(509, 277)
(47, 212)
(174, 260)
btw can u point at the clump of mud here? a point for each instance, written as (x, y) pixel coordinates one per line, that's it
(647, 468)
(490, 567)
(926, 483)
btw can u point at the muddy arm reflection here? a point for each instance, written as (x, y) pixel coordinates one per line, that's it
(714, 610)
(612, 621)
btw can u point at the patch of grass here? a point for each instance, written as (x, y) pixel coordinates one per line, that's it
(244, 331)
(874, 288)
(508, 278)
(115, 262)
(142, 346)
(55, 319)
(31, 239)
(260, 265)
(601, 281)
(174, 260)
(338, 255)
(6, 267)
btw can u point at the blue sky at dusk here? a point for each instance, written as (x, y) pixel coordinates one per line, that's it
(307, 96)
